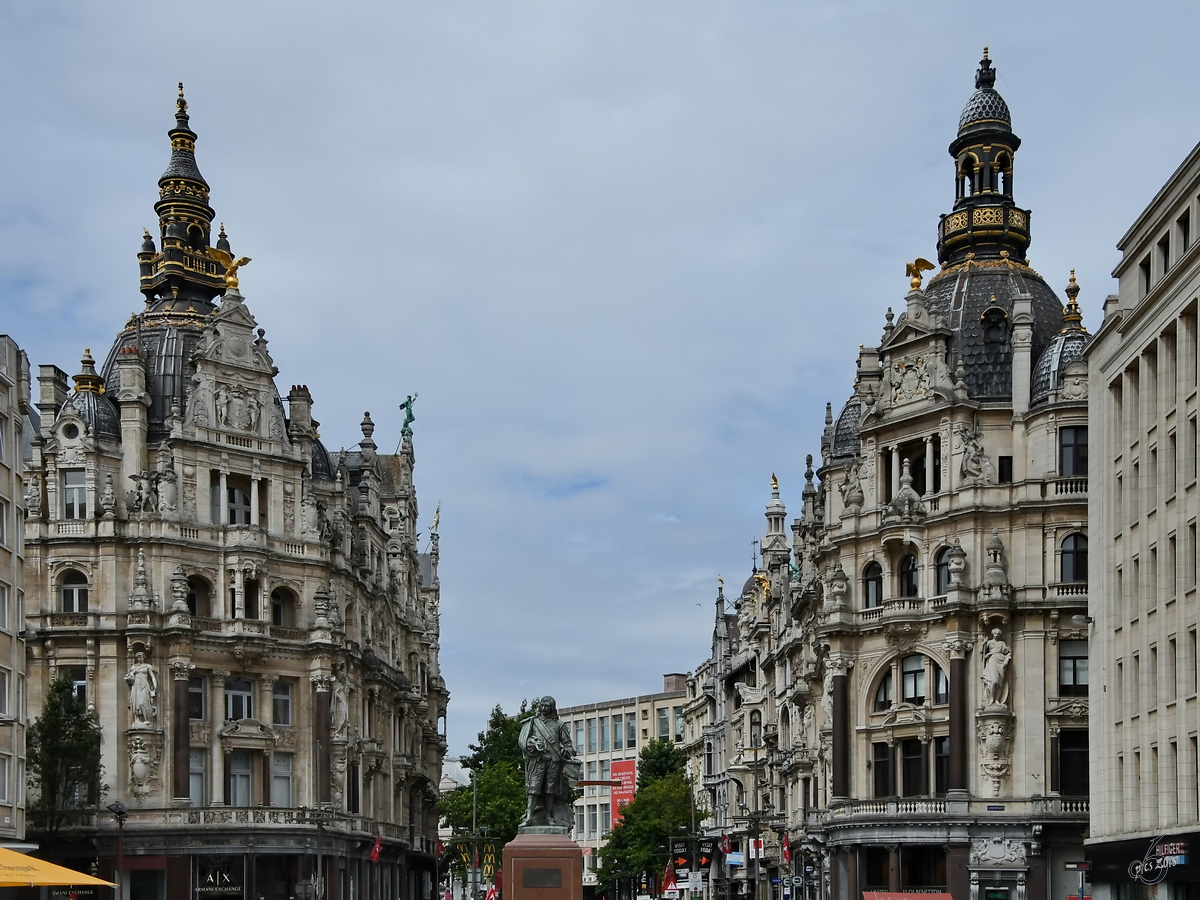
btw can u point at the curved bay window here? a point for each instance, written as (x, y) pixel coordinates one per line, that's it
(1074, 562)
(872, 585)
(943, 571)
(908, 577)
(74, 592)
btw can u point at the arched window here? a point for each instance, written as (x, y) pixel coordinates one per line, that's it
(943, 571)
(283, 608)
(199, 596)
(74, 592)
(994, 326)
(941, 685)
(908, 576)
(872, 585)
(883, 694)
(250, 587)
(1074, 558)
(912, 669)
(756, 728)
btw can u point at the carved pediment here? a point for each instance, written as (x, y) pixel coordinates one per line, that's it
(248, 733)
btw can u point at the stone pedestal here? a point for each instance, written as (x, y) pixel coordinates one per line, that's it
(543, 865)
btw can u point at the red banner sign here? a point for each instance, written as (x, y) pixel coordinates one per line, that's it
(624, 771)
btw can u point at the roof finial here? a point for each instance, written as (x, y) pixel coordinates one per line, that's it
(914, 270)
(1072, 316)
(181, 105)
(985, 54)
(985, 78)
(87, 379)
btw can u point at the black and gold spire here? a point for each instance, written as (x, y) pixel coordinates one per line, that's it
(986, 223)
(183, 271)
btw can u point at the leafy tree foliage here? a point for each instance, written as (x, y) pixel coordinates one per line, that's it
(499, 770)
(661, 806)
(659, 759)
(64, 763)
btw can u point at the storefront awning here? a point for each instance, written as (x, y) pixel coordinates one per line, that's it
(18, 870)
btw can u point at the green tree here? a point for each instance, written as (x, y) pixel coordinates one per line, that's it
(659, 809)
(498, 768)
(63, 758)
(659, 759)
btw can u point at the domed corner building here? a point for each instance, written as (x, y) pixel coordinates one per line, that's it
(925, 633)
(247, 615)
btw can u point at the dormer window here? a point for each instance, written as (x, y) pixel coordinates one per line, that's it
(74, 493)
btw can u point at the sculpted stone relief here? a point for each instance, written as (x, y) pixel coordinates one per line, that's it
(238, 407)
(910, 380)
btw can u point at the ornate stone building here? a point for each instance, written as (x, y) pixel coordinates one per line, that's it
(901, 694)
(247, 613)
(1145, 826)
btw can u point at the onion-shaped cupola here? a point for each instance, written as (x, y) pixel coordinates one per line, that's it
(986, 223)
(183, 274)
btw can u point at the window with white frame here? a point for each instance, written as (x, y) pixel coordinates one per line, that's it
(5, 612)
(5, 766)
(281, 783)
(20, 782)
(196, 693)
(5, 688)
(281, 704)
(3, 439)
(74, 494)
(239, 778)
(239, 699)
(3, 523)
(196, 777)
(912, 668)
(74, 592)
(78, 677)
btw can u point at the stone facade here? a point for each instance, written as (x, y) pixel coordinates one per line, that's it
(1143, 375)
(17, 422)
(248, 615)
(899, 695)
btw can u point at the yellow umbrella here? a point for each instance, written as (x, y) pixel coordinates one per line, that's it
(18, 870)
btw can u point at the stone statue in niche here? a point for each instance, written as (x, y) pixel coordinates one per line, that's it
(167, 479)
(339, 707)
(33, 495)
(238, 407)
(197, 401)
(996, 657)
(975, 468)
(143, 692)
(144, 496)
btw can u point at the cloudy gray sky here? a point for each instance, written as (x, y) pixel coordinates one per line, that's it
(625, 251)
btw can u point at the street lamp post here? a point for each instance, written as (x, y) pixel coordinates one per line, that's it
(120, 812)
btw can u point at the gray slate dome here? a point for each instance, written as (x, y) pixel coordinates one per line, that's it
(1064, 349)
(322, 465)
(98, 412)
(846, 442)
(985, 107)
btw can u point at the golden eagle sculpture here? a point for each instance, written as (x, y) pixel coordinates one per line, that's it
(231, 265)
(914, 269)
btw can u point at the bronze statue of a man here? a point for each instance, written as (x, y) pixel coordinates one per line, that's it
(551, 768)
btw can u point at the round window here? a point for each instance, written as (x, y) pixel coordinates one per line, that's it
(71, 432)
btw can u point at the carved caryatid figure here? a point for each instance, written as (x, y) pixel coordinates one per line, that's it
(339, 707)
(996, 657)
(143, 691)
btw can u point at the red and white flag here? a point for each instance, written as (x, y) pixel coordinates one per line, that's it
(375, 850)
(726, 844)
(787, 851)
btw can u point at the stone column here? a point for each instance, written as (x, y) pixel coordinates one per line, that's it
(928, 466)
(852, 872)
(895, 472)
(181, 738)
(254, 500)
(216, 715)
(266, 715)
(842, 728)
(893, 868)
(237, 588)
(958, 649)
(222, 499)
(321, 683)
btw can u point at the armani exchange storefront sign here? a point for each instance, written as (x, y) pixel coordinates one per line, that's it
(1165, 858)
(220, 876)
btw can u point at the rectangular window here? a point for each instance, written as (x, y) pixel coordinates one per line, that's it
(591, 776)
(5, 765)
(913, 670)
(579, 823)
(591, 826)
(3, 523)
(1073, 761)
(1173, 674)
(239, 778)
(591, 734)
(281, 783)
(1073, 668)
(1136, 688)
(881, 769)
(1152, 681)
(196, 777)
(1164, 253)
(678, 710)
(237, 499)
(3, 439)
(1192, 662)
(603, 726)
(1184, 224)
(1172, 464)
(1191, 550)
(281, 704)
(1005, 474)
(579, 735)
(605, 775)
(5, 682)
(942, 692)
(1191, 450)
(5, 618)
(618, 732)
(239, 699)
(1144, 273)
(941, 764)
(196, 698)
(664, 724)
(605, 818)
(74, 494)
(78, 676)
(912, 764)
(631, 731)
(20, 782)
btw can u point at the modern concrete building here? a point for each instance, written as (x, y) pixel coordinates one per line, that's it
(1145, 823)
(612, 733)
(17, 424)
(248, 615)
(900, 695)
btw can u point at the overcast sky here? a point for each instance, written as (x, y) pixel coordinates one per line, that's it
(625, 251)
